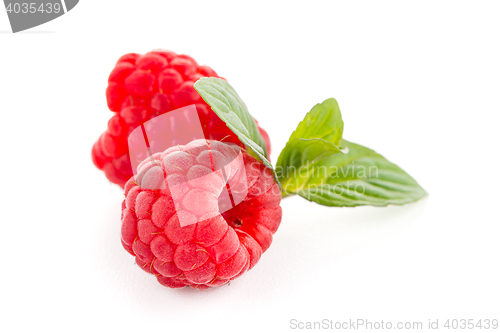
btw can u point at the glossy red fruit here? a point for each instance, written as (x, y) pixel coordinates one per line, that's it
(141, 87)
(180, 225)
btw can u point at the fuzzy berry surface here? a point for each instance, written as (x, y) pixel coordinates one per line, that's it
(186, 238)
(141, 87)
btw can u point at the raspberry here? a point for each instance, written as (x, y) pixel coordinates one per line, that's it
(141, 87)
(180, 225)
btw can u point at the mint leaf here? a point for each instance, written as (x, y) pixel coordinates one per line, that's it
(360, 177)
(324, 121)
(310, 165)
(315, 138)
(230, 108)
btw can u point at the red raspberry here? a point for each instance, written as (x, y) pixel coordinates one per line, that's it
(174, 219)
(141, 87)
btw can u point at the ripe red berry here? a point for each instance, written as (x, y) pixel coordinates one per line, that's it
(200, 215)
(141, 87)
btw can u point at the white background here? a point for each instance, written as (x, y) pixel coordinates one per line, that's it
(419, 82)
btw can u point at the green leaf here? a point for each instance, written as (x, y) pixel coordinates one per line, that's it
(230, 108)
(316, 138)
(324, 121)
(360, 177)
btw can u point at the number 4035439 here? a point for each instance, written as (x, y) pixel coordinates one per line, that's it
(26, 8)
(471, 324)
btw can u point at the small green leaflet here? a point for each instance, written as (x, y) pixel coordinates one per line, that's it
(230, 108)
(316, 138)
(324, 121)
(360, 177)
